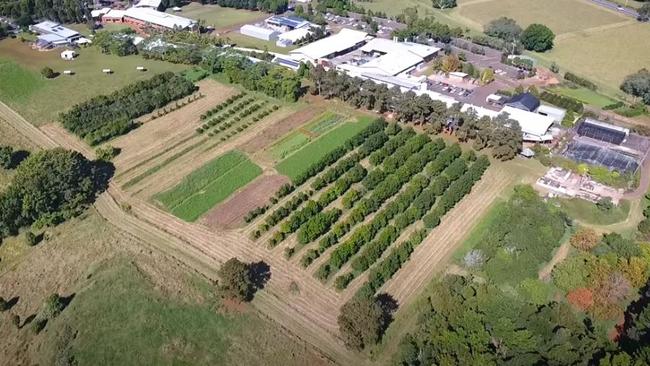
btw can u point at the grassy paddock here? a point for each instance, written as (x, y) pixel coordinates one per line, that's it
(122, 318)
(209, 185)
(297, 163)
(589, 213)
(584, 95)
(297, 139)
(562, 16)
(219, 17)
(40, 100)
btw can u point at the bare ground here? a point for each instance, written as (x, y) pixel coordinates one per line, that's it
(269, 135)
(230, 214)
(57, 133)
(183, 165)
(162, 133)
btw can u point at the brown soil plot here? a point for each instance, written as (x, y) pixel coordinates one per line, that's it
(230, 214)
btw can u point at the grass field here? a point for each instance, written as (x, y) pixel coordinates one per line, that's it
(588, 213)
(562, 16)
(585, 54)
(299, 138)
(40, 100)
(209, 185)
(219, 17)
(297, 163)
(584, 95)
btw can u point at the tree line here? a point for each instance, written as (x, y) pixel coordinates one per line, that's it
(269, 6)
(501, 133)
(25, 12)
(106, 116)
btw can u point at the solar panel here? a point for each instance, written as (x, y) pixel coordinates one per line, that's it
(601, 133)
(597, 155)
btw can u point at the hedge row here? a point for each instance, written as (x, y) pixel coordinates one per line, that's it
(562, 101)
(401, 254)
(390, 186)
(106, 116)
(312, 208)
(393, 262)
(393, 144)
(335, 172)
(418, 208)
(282, 212)
(580, 81)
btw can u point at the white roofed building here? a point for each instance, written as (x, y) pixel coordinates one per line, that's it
(141, 17)
(326, 48)
(152, 4)
(54, 33)
(258, 32)
(289, 38)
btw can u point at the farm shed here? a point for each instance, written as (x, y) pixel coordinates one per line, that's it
(258, 32)
(524, 101)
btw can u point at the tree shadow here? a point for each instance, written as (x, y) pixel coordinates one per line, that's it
(260, 274)
(17, 157)
(66, 300)
(28, 320)
(11, 303)
(104, 171)
(389, 306)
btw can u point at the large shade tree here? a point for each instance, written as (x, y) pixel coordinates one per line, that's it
(537, 37)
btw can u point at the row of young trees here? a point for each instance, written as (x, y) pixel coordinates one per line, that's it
(446, 168)
(106, 116)
(500, 133)
(408, 168)
(49, 187)
(360, 332)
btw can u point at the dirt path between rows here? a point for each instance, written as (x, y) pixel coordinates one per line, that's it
(27, 129)
(446, 238)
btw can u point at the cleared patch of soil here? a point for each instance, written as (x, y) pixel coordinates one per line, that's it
(230, 214)
(274, 132)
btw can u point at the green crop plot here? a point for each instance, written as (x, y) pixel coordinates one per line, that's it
(301, 160)
(325, 122)
(209, 185)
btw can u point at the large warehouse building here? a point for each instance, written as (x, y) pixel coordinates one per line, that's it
(343, 42)
(140, 18)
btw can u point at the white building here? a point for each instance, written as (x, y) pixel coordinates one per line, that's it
(258, 32)
(289, 38)
(53, 34)
(141, 16)
(556, 113)
(152, 4)
(342, 42)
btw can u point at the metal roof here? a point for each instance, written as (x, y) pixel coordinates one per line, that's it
(159, 18)
(343, 40)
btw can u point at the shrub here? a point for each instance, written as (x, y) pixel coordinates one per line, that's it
(580, 81)
(48, 73)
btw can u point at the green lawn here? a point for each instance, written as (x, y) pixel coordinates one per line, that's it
(40, 100)
(584, 95)
(209, 185)
(589, 213)
(297, 163)
(219, 17)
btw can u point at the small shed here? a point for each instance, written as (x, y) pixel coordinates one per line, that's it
(68, 55)
(527, 153)
(458, 76)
